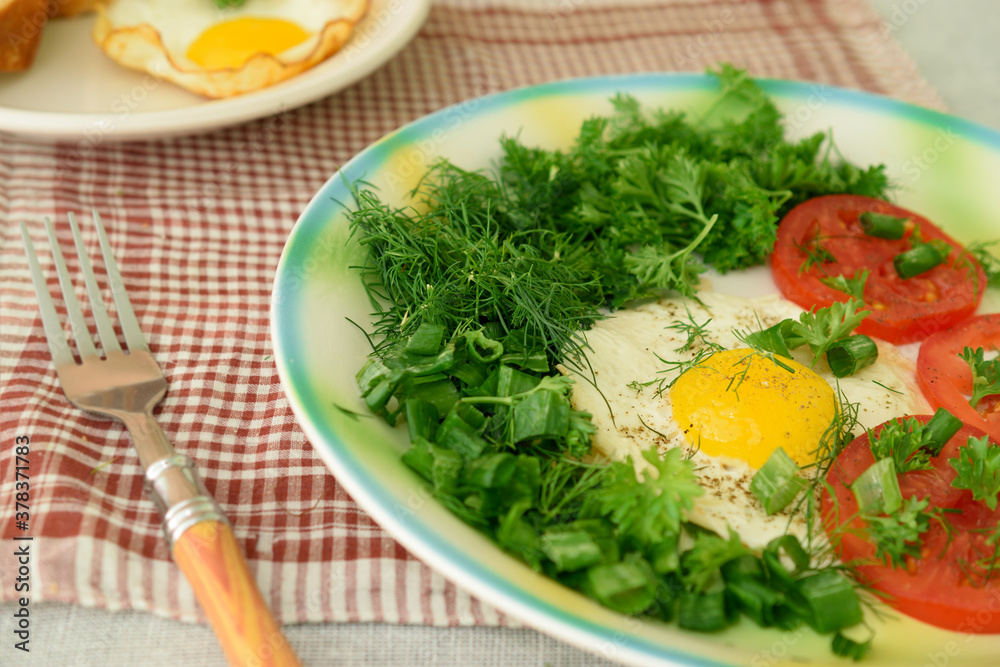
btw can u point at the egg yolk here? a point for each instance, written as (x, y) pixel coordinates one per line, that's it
(743, 405)
(232, 43)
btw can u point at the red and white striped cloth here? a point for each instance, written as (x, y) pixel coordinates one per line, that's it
(198, 224)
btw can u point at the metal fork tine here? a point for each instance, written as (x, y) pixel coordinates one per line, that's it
(50, 319)
(126, 316)
(84, 339)
(109, 339)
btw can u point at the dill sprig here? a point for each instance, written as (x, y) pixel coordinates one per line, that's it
(453, 261)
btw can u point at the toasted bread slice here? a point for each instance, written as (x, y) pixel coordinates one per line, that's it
(73, 7)
(21, 26)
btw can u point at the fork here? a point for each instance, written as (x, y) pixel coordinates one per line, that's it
(126, 385)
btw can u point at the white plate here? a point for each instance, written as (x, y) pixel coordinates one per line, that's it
(74, 92)
(945, 167)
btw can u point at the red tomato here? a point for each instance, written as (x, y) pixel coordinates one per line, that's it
(946, 379)
(940, 588)
(903, 311)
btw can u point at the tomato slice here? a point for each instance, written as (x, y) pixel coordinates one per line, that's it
(946, 379)
(951, 586)
(903, 311)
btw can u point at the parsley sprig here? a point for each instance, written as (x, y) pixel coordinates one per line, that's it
(985, 374)
(978, 468)
(820, 329)
(902, 441)
(649, 507)
(899, 535)
(910, 443)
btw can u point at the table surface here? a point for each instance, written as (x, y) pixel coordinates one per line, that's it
(957, 55)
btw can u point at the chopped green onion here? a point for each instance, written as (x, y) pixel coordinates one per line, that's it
(921, 258)
(438, 390)
(421, 418)
(511, 382)
(422, 365)
(792, 548)
(518, 536)
(704, 612)
(491, 470)
(426, 340)
(877, 488)
(519, 349)
(846, 647)
(780, 577)
(458, 435)
(470, 414)
(531, 361)
(882, 226)
(773, 339)
(527, 478)
(544, 413)
(377, 383)
(746, 566)
(666, 557)
(849, 355)
(437, 465)
(378, 395)
(939, 430)
(777, 482)
(832, 601)
(373, 372)
(628, 586)
(571, 550)
(482, 348)
(420, 457)
(757, 600)
(471, 373)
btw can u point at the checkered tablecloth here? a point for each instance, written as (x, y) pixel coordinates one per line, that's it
(198, 224)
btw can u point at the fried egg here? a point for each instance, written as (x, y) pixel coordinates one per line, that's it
(732, 408)
(220, 52)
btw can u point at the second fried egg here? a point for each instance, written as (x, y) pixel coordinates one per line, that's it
(220, 52)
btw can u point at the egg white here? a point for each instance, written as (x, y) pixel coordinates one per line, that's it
(627, 348)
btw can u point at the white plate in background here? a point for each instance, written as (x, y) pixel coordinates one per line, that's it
(74, 92)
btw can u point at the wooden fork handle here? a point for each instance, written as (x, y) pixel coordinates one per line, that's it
(205, 550)
(211, 560)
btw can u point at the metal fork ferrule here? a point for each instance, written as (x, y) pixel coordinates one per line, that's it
(180, 495)
(186, 514)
